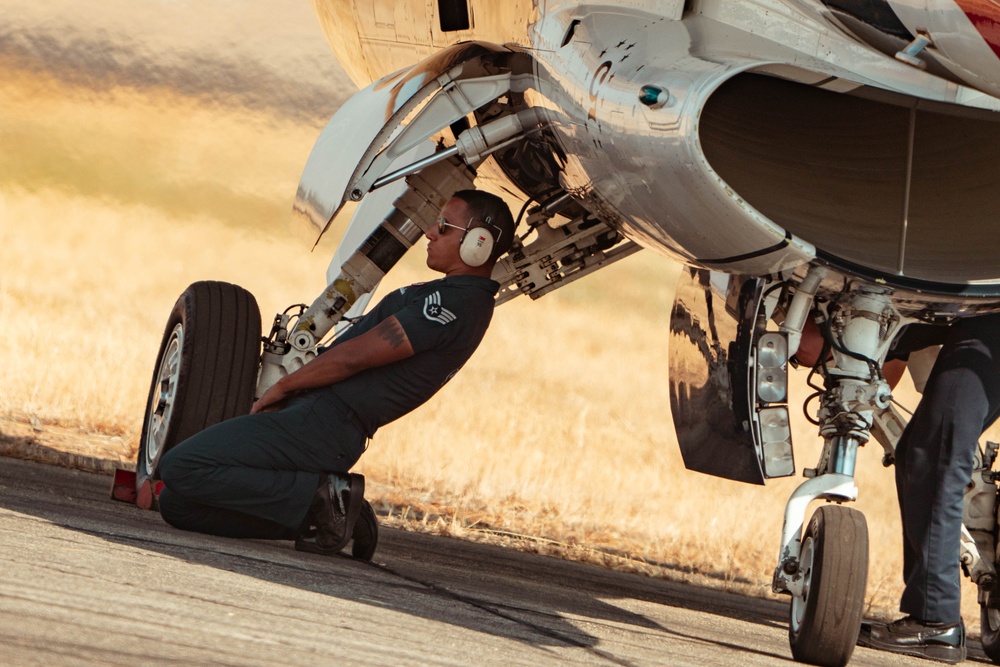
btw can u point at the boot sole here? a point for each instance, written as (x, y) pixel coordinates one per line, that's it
(948, 654)
(353, 511)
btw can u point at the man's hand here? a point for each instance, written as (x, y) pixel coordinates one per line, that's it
(272, 399)
(385, 343)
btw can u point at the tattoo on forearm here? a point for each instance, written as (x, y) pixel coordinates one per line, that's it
(392, 332)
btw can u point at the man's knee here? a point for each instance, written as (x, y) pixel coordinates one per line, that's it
(173, 509)
(169, 467)
(179, 468)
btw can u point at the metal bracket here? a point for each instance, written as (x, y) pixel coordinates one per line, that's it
(909, 54)
(559, 256)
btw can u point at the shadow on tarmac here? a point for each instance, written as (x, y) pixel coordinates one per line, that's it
(483, 588)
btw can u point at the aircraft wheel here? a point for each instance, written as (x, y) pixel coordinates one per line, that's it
(365, 533)
(206, 370)
(826, 619)
(989, 626)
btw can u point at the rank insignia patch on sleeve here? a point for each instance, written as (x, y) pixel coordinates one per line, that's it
(435, 312)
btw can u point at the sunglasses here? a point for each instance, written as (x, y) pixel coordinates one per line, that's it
(443, 225)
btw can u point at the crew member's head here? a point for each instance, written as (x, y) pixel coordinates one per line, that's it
(473, 230)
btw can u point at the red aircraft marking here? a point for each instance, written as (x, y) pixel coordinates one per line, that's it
(985, 16)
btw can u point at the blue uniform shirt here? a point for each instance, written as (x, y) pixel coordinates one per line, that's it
(444, 321)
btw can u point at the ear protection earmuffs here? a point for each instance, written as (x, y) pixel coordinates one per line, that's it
(477, 246)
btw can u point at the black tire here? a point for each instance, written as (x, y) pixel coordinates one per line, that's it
(206, 370)
(989, 626)
(825, 621)
(365, 534)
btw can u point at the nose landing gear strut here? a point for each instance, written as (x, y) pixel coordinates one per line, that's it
(825, 570)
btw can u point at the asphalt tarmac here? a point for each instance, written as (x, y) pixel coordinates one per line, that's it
(85, 580)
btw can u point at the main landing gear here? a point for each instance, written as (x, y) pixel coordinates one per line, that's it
(206, 372)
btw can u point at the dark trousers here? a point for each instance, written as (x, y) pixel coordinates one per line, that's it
(934, 461)
(255, 476)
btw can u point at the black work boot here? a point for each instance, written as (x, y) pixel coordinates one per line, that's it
(333, 512)
(944, 642)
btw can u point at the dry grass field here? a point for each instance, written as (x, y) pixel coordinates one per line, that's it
(558, 429)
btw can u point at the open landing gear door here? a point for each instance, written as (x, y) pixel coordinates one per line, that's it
(710, 377)
(376, 129)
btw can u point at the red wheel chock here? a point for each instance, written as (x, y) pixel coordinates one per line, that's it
(123, 489)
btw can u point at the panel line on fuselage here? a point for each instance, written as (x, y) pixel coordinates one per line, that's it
(751, 255)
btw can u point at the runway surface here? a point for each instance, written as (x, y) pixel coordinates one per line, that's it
(85, 580)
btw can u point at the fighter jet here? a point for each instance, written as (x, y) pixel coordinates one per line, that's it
(827, 169)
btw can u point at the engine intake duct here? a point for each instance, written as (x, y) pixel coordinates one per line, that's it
(897, 186)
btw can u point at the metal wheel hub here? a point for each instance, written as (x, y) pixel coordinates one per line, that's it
(805, 568)
(161, 409)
